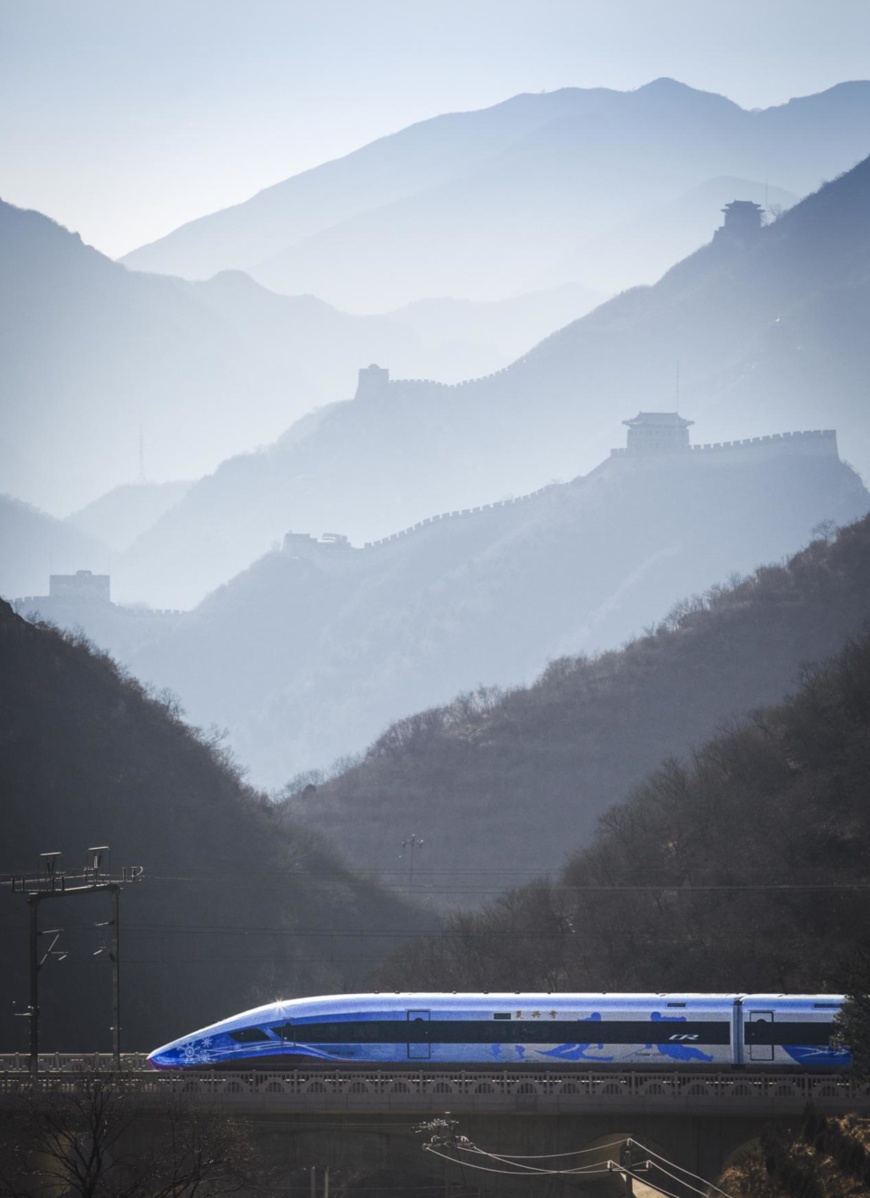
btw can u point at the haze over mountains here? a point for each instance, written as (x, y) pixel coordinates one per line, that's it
(512, 198)
(502, 787)
(92, 355)
(311, 652)
(762, 334)
(119, 516)
(34, 545)
(98, 362)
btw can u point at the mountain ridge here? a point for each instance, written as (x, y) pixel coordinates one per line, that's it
(526, 773)
(311, 651)
(267, 196)
(498, 223)
(706, 876)
(764, 335)
(98, 362)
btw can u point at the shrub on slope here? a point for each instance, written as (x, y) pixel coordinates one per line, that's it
(825, 1158)
(744, 868)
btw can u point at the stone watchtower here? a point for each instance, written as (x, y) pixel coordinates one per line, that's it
(743, 222)
(657, 432)
(373, 381)
(81, 586)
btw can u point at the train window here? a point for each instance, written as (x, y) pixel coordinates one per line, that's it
(248, 1035)
(676, 1004)
(502, 1015)
(826, 1006)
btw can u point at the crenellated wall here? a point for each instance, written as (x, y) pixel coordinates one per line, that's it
(467, 511)
(394, 386)
(819, 441)
(810, 443)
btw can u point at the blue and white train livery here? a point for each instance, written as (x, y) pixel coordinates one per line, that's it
(420, 1030)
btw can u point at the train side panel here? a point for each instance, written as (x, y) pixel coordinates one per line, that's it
(783, 1031)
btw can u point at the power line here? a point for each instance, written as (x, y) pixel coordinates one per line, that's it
(512, 1172)
(705, 1193)
(551, 1156)
(688, 1172)
(679, 887)
(598, 1168)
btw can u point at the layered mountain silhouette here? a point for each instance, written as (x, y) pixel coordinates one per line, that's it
(34, 545)
(502, 788)
(311, 652)
(124, 513)
(643, 245)
(741, 865)
(760, 331)
(512, 198)
(98, 362)
(93, 355)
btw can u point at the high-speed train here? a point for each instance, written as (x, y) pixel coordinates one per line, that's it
(421, 1030)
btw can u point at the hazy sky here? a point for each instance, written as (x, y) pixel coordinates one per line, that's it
(124, 118)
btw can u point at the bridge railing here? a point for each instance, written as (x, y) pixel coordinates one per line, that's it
(463, 1089)
(72, 1062)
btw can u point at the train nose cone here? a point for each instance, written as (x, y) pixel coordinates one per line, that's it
(164, 1058)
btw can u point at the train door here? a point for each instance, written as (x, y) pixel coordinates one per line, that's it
(759, 1035)
(419, 1049)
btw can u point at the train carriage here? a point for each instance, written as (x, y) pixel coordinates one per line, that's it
(517, 1029)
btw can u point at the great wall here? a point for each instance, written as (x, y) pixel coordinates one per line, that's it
(640, 452)
(655, 439)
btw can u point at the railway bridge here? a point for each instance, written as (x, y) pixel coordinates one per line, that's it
(368, 1118)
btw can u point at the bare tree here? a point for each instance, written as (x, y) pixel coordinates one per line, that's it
(92, 1135)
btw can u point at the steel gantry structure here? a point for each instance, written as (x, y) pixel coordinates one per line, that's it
(51, 881)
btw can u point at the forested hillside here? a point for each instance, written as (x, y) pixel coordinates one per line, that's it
(743, 867)
(502, 785)
(236, 907)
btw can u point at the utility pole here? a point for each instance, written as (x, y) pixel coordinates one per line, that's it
(116, 977)
(51, 881)
(628, 1164)
(629, 1180)
(411, 844)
